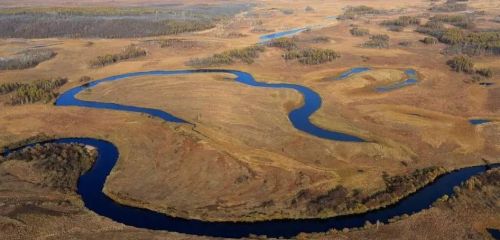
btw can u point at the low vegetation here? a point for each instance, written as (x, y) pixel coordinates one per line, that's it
(450, 6)
(178, 43)
(402, 21)
(26, 59)
(462, 41)
(429, 40)
(341, 200)
(60, 165)
(129, 52)
(283, 43)
(39, 91)
(377, 41)
(357, 11)
(459, 20)
(311, 56)
(246, 55)
(461, 63)
(356, 31)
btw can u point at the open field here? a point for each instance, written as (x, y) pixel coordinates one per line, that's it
(242, 159)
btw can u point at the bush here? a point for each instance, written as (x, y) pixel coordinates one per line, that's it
(355, 12)
(283, 43)
(402, 21)
(26, 59)
(450, 7)
(355, 31)
(129, 52)
(246, 55)
(485, 72)
(395, 28)
(429, 40)
(405, 43)
(462, 21)
(312, 56)
(9, 87)
(378, 41)
(309, 9)
(461, 63)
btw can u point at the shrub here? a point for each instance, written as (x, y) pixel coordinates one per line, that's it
(129, 52)
(246, 55)
(378, 41)
(283, 43)
(9, 87)
(355, 31)
(312, 56)
(402, 21)
(485, 72)
(405, 43)
(449, 7)
(26, 59)
(395, 28)
(463, 21)
(461, 63)
(429, 40)
(355, 12)
(309, 9)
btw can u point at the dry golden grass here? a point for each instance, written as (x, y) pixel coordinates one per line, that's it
(244, 132)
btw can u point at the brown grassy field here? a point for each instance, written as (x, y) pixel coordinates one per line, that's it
(244, 152)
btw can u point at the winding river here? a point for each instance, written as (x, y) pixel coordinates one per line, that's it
(90, 184)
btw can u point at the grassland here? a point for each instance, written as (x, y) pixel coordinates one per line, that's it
(243, 151)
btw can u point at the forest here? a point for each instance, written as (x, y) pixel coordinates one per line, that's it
(39, 91)
(112, 22)
(26, 59)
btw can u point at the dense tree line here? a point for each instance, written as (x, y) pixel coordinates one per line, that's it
(311, 56)
(9, 87)
(246, 55)
(112, 22)
(41, 90)
(60, 164)
(26, 59)
(83, 27)
(129, 52)
(377, 41)
(356, 31)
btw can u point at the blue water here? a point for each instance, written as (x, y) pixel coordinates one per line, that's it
(478, 121)
(91, 183)
(352, 71)
(495, 233)
(288, 33)
(298, 117)
(412, 79)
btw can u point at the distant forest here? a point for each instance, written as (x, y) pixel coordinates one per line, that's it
(100, 22)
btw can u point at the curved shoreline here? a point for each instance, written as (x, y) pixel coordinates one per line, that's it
(299, 117)
(91, 183)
